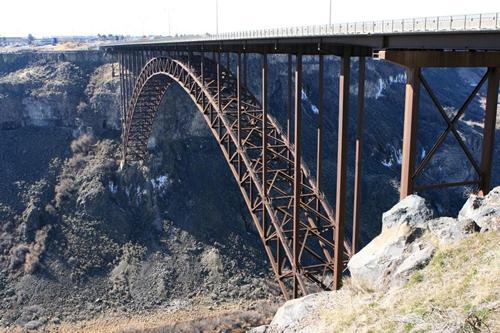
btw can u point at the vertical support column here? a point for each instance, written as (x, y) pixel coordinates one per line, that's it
(264, 138)
(290, 100)
(245, 70)
(410, 131)
(489, 130)
(341, 166)
(289, 111)
(319, 133)
(202, 74)
(297, 175)
(202, 67)
(238, 115)
(358, 159)
(124, 109)
(219, 101)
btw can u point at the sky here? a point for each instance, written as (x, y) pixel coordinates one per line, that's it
(45, 18)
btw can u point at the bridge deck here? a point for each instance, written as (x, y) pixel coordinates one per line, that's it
(463, 32)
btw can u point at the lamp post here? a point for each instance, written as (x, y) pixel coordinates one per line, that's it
(217, 17)
(330, 14)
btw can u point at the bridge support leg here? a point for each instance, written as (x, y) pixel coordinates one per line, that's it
(289, 108)
(358, 160)
(489, 130)
(410, 131)
(238, 125)
(264, 138)
(297, 178)
(341, 167)
(319, 133)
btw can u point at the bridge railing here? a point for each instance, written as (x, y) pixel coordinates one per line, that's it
(475, 22)
(456, 23)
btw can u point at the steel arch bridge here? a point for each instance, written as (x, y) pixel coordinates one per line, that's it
(302, 235)
(301, 257)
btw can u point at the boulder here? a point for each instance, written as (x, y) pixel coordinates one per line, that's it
(484, 211)
(449, 230)
(389, 258)
(291, 314)
(412, 210)
(392, 256)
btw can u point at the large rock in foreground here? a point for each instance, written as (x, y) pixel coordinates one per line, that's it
(389, 259)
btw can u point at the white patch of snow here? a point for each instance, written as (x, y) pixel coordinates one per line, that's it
(160, 182)
(380, 89)
(398, 154)
(396, 157)
(112, 187)
(387, 163)
(400, 78)
(305, 98)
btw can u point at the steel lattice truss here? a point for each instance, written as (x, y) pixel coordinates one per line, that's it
(261, 158)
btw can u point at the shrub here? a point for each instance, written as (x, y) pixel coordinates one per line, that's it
(83, 144)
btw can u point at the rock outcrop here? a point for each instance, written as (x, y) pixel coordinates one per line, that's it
(484, 211)
(390, 258)
(396, 261)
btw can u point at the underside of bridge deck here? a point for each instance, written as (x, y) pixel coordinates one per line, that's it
(303, 235)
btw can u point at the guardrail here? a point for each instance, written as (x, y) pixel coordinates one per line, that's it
(475, 22)
(426, 24)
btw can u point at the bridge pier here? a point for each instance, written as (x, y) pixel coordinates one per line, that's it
(358, 155)
(414, 61)
(340, 203)
(489, 129)
(412, 96)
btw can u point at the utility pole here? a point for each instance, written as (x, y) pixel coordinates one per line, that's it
(217, 17)
(330, 14)
(169, 25)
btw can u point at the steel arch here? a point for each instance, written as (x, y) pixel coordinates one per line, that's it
(261, 159)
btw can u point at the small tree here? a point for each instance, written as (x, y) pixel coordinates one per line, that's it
(54, 40)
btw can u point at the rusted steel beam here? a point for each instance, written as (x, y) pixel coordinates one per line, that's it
(444, 185)
(319, 126)
(289, 106)
(238, 106)
(219, 99)
(358, 155)
(264, 134)
(489, 130)
(340, 208)
(415, 58)
(319, 131)
(297, 175)
(412, 95)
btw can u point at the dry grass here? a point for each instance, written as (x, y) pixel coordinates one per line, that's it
(459, 291)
